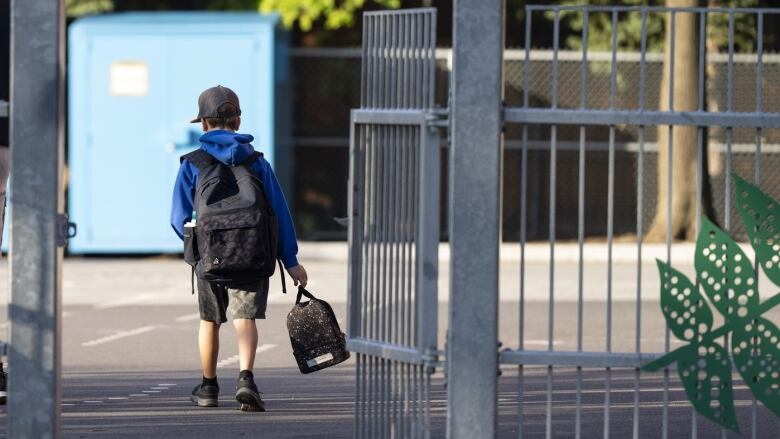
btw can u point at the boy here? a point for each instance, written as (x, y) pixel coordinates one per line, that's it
(219, 116)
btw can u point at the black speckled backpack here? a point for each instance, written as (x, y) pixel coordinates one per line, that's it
(317, 340)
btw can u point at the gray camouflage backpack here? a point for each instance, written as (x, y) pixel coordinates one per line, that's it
(235, 237)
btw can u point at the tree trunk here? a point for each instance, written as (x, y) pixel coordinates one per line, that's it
(684, 142)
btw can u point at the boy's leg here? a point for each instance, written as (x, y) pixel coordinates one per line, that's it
(208, 342)
(247, 303)
(212, 301)
(246, 330)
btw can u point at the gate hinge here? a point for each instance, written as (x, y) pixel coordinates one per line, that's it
(432, 359)
(65, 230)
(438, 118)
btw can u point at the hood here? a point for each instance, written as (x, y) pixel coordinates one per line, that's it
(229, 147)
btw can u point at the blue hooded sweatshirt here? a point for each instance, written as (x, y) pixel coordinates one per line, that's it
(232, 149)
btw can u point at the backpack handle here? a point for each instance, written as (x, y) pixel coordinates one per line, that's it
(302, 292)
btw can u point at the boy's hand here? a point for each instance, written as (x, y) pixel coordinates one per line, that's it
(298, 275)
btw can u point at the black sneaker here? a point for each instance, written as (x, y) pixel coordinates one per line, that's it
(248, 395)
(205, 395)
(3, 384)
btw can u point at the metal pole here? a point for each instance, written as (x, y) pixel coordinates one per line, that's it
(475, 194)
(37, 59)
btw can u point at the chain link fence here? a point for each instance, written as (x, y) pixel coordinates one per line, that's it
(327, 85)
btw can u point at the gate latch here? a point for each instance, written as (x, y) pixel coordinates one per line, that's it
(438, 118)
(65, 230)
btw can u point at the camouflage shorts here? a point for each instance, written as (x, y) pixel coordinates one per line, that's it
(245, 301)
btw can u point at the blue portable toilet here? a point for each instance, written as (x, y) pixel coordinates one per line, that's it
(134, 81)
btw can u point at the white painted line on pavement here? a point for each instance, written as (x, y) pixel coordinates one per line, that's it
(139, 394)
(118, 335)
(93, 402)
(125, 301)
(159, 388)
(67, 404)
(165, 384)
(188, 317)
(234, 358)
(150, 391)
(118, 397)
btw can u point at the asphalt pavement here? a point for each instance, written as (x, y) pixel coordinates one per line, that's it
(130, 355)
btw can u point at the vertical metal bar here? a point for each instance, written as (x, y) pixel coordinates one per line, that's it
(355, 265)
(391, 312)
(610, 219)
(407, 60)
(610, 227)
(354, 305)
(414, 228)
(551, 224)
(430, 80)
(759, 93)
(639, 231)
(475, 232)
(36, 136)
(613, 68)
(387, 186)
(556, 32)
(523, 224)
(403, 183)
(670, 148)
(365, 52)
(427, 272)
(407, 313)
(729, 130)
(581, 221)
(419, 35)
(639, 223)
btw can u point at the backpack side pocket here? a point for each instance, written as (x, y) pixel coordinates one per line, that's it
(191, 254)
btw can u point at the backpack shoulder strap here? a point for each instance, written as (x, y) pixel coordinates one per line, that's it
(252, 158)
(200, 158)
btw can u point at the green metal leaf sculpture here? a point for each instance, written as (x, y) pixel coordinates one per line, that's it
(687, 314)
(761, 215)
(754, 344)
(706, 377)
(725, 272)
(727, 277)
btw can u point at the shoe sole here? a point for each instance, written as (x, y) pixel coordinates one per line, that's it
(250, 401)
(204, 402)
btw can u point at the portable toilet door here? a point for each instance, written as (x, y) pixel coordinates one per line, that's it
(134, 82)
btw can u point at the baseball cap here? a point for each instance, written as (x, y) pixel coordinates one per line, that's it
(217, 101)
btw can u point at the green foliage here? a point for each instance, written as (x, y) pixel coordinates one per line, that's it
(336, 13)
(630, 26)
(76, 8)
(727, 277)
(744, 27)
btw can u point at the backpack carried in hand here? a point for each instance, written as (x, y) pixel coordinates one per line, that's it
(235, 236)
(317, 340)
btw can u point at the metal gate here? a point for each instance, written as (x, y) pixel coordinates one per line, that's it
(394, 199)
(394, 227)
(567, 367)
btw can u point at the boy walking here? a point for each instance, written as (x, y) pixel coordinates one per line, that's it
(241, 214)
